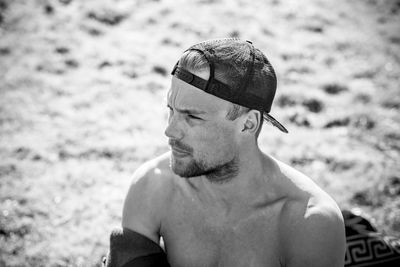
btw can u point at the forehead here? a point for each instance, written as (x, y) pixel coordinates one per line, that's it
(185, 96)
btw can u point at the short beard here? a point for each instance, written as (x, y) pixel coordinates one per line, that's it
(221, 173)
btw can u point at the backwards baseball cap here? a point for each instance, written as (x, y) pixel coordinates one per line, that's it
(252, 78)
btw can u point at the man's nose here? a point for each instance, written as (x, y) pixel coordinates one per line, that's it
(173, 131)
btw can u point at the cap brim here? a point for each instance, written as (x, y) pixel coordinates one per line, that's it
(274, 122)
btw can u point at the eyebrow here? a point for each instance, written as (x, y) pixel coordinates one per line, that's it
(189, 111)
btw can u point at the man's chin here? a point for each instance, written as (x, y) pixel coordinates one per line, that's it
(181, 171)
(178, 164)
(179, 160)
(185, 167)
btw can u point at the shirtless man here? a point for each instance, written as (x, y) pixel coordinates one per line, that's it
(216, 199)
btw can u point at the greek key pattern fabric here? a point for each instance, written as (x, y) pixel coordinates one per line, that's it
(367, 247)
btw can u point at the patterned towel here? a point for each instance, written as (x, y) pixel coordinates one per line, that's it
(366, 246)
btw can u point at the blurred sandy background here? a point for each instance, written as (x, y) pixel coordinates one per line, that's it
(82, 88)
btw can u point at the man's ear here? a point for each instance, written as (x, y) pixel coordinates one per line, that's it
(252, 121)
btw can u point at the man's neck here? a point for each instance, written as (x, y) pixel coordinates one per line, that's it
(251, 185)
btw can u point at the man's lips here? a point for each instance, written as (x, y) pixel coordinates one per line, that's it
(178, 151)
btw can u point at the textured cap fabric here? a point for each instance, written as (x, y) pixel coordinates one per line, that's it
(252, 78)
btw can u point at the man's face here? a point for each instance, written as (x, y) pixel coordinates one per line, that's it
(202, 140)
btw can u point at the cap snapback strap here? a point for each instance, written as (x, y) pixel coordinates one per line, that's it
(210, 64)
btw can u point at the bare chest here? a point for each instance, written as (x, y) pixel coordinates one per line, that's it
(195, 235)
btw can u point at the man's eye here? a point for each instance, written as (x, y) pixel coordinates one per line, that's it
(194, 117)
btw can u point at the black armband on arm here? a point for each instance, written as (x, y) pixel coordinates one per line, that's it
(131, 249)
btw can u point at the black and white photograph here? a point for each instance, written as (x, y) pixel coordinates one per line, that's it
(199, 133)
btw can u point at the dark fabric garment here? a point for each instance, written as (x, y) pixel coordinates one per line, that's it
(131, 249)
(366, 247)
(152, 260)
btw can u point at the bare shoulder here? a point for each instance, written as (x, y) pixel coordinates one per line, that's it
(147, 196)
(315, 238)
(152, 173)
(312, 228)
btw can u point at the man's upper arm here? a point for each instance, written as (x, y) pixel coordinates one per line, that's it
(142, 206)
(317, 239)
